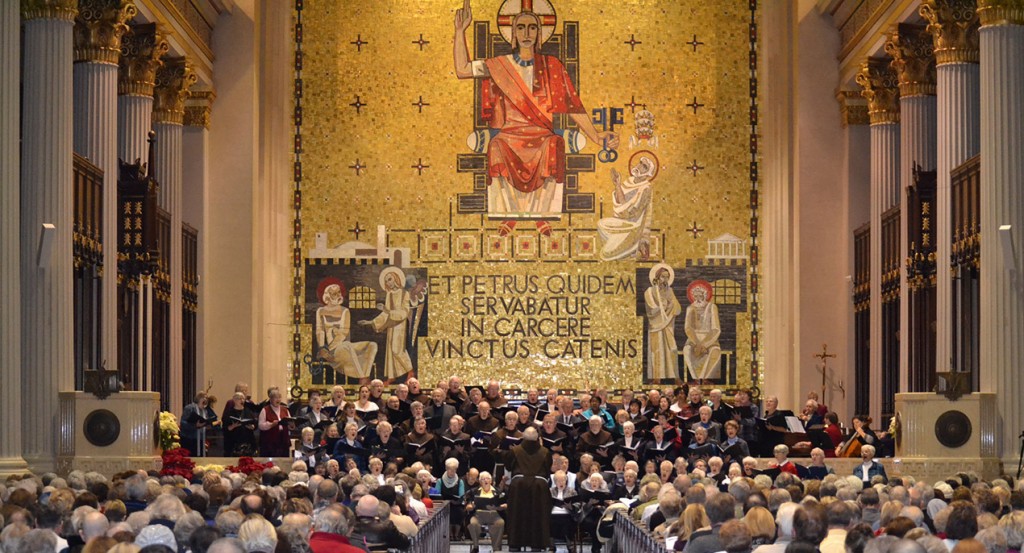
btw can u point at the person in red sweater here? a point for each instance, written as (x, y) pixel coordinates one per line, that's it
(781, 452)
(329, 530)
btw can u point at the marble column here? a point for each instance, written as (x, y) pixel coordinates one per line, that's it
(47, 301)
(1002, 205)
(141, 51)
(11, 461)
(195, 179)
(98, 30)
(953, 25)
(911, 50)
(173, 80)
(880, 88)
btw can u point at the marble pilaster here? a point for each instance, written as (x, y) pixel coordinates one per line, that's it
(11, 461)
(47, 302)
(141, 50)
(953, 25)
(1002, 205)
(911, 50)
(880, 88)
(98, 30)
(173, 80)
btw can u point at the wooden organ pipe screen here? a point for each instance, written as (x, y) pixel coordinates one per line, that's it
(890, 310)
(862, 317)
(161, 377)
(88, 265)
(190, 306)
(921, 280)
(965, 261)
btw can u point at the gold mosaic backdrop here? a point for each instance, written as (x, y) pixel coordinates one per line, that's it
(384, 121)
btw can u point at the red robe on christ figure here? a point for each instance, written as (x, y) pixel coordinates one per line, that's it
(526, 151)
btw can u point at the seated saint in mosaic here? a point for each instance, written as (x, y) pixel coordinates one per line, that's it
(333, 334)
(702, 352)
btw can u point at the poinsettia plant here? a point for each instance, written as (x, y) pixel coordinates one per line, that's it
(176, 462)
(248, 465)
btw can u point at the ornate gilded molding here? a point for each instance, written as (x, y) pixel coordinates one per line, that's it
(198, 107)
(173, 79)
(995, 13)
(910, 47)
(881, 89)
(99, 27)
(953, 25)
(853, 110)
(141, 49)
(65, 10)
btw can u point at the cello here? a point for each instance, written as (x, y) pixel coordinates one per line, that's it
(859, 437)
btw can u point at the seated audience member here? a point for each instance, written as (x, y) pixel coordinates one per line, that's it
(484, 508)
(869, 468)
(373, 528)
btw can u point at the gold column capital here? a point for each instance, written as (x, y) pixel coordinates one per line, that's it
(99, 27)
(198, 107)
(881, 89)
(142, 48)
(910, 47)
(853, 109)
(953, 25)
(65, 10)
(996, 13)
(173, 79)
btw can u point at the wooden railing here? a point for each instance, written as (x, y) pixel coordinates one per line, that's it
(633, 538)
(433, 534)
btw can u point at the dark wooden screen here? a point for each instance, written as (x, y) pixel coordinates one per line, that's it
(190, 305)
(88, 265)
(965, 261)
(921, 280)
(890, 287)
(862, 317)
(161, 377)
(136, 259)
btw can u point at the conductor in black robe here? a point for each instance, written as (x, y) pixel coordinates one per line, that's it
(529, 499)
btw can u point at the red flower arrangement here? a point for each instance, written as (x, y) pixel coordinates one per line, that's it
(176, 462)
(248, 465)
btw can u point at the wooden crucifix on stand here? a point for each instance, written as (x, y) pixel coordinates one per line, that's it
(824, 356)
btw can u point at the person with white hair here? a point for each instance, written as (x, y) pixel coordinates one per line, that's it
(595, 441)
(330, 530)
(869, 468)
(258, 535)
(93, 525)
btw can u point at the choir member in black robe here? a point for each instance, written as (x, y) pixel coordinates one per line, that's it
(239, 428)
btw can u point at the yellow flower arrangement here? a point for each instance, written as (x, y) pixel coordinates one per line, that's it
(169, 438)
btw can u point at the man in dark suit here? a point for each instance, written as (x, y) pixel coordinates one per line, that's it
(437, 407)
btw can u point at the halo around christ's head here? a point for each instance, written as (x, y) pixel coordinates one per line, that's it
(541, 8)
